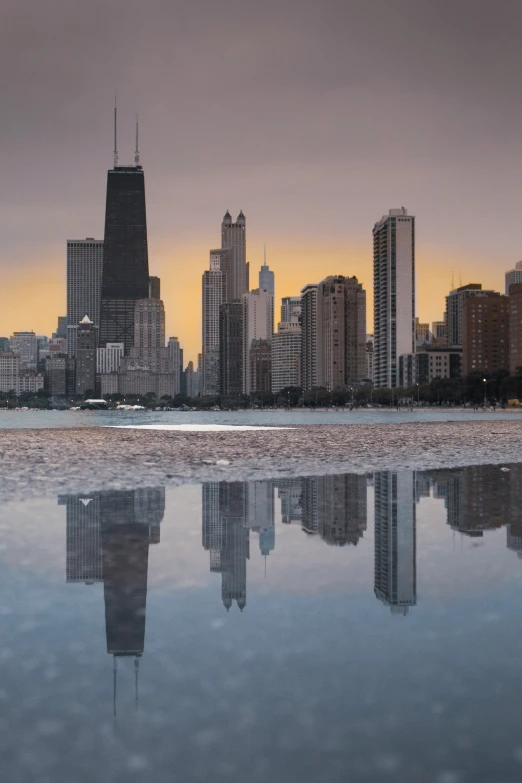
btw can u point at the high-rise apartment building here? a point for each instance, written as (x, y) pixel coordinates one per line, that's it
(341, 332)
(258, 319)
(233, 237)
(125, 276)
(454, 315)
(422, 333)
(286, 356)
(485, 346)
(514, 276)
(231, 349)
(515, 327)
(86, 341)
(369, 358)
(84, 282)
(214, 295)
(395, 540)
(291, 309)
(149, 334)
(394, 294)
(438, 330)
(25, 345)
(309, 358)
(9, 371)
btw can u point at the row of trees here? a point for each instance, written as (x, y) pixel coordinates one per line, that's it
(475, 389)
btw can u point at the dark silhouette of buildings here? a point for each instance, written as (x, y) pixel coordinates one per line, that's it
(125, 276)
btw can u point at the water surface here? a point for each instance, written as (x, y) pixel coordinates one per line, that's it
(336, 628)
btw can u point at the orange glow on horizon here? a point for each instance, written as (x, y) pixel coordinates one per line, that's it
(33, 299)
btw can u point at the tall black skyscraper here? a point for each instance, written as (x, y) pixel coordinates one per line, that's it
(125, 275)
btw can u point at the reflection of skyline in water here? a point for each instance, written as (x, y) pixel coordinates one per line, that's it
(109, 533)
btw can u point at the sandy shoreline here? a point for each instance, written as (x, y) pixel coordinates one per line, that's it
(37, 462)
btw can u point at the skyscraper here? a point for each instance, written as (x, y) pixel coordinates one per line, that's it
(154, 288)
(454, 315)
(514, 276)
(394, 294)
(233, 236)
(84, 282)
(25, 345)
(258, 320)
(341, 332)
(309, 366)
(125, 277)
(515, 327)
(213, 296)
(291, 307)
(86, 341)
(231, 349)
(266, 279)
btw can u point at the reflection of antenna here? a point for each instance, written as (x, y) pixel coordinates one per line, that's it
(136, 672)
(114, 672)
(137, 150)
(265, 566)
(115, 133)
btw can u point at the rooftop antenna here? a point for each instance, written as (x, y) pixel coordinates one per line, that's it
(115, 133)
(452, 281)
(137, 150)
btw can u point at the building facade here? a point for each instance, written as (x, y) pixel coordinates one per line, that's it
(25, 345)
(213, 296)
(108, 359)
(260, 361)
(231, 349)
(154, 288)
(236, 268)
(454, 315)
(485, 346)
(514, 276)
(309, 358)
(86, 341)
(176, 359)
(341, 332)
(286, 356)
(125, 273)
(394, 294)
(430, 364)
(9, 371)
(515, 327)
(291, 309)
(258, 319)
(84, 282)
(266, 279)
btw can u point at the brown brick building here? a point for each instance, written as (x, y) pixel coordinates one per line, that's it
(515, 327)
(486, 333)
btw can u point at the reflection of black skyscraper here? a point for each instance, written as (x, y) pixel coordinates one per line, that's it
(395, 540)
(108, 537)
(335, 507)
(125, 276)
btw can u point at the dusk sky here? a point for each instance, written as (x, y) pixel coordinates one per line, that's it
(314, 118)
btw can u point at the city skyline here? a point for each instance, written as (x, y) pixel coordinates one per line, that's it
(303, 179)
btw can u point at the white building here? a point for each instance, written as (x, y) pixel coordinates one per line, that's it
(84, 280)
(9, 371)
(30, 381)
(214, 294)
(286, 356)
(394, 294)
(514, 276)
(108, 359)
(25, 346)
(258, 320)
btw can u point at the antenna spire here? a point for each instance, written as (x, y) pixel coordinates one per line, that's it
(115, 133)
(137, 150)
(114, 672)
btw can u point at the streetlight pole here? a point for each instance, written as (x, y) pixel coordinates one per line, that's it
(485, 389)
(418, 395)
